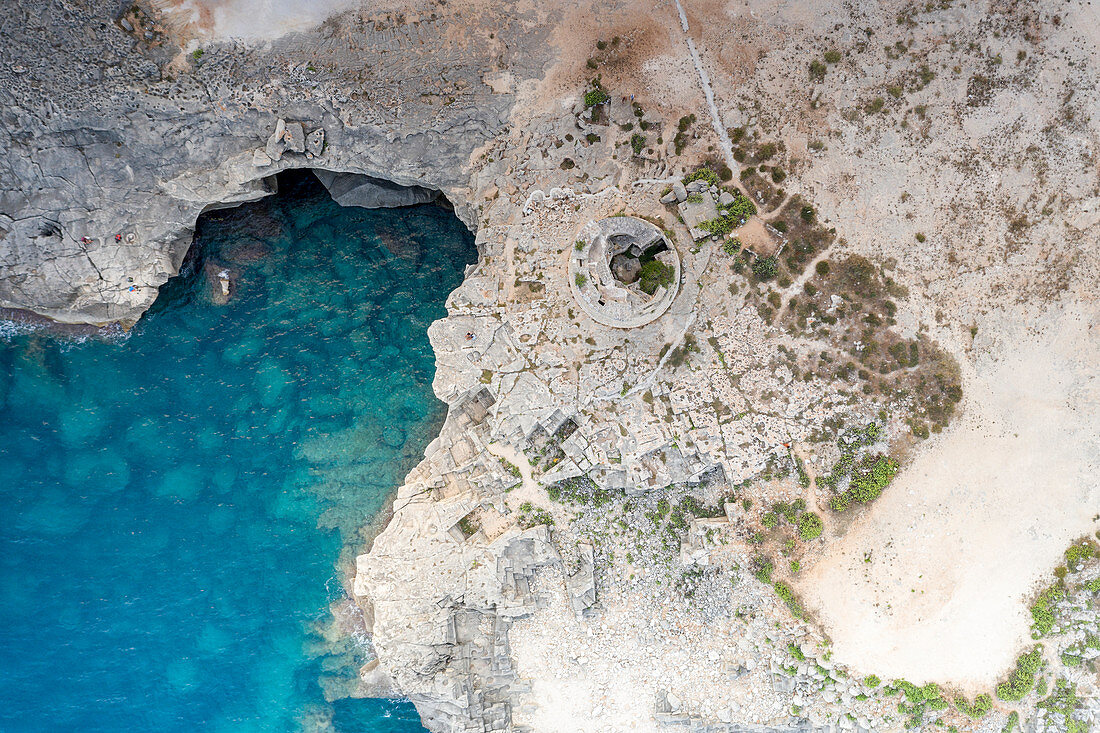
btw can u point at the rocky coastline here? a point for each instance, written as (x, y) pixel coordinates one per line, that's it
(620, 525)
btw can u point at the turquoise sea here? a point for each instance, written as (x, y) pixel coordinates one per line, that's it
(179, 506)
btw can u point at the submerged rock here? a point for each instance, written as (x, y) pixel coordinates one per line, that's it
(220, 282)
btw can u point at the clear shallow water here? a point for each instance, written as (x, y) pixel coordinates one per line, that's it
(174, 506)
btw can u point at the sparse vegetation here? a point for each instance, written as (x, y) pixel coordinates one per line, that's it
(532, 516)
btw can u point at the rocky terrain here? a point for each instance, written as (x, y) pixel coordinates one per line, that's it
(822, 490)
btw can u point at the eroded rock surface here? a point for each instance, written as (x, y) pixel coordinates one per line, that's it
(113, 146)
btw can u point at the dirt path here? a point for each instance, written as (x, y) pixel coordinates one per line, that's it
(971, 528)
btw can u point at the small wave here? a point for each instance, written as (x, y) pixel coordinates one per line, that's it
(12, 329)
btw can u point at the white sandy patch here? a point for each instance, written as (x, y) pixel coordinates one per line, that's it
(253, 19)
(975, 524)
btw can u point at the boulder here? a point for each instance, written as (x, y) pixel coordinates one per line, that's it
(260, 158)
(581, 585)
(295, 137)
(275, 145)
(680, 191)
(725, 198)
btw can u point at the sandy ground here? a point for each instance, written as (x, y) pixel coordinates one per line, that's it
(978, 519)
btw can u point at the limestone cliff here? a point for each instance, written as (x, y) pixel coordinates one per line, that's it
(114, 140)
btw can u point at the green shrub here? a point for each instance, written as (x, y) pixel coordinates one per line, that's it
(1022, 679)
(594, 97)
(872, 476)
(1042, 611)
(765, 268)
(810, 526)
(762, 569)
(788, 597)
(703, 174)
(655, 274)
(832, 56)
(731, 246)
(581, 279)
(770, 520)
(817, 70)
(741, 208)
(982, 704)
(1077, 554)
(872, 680)
(637, 143)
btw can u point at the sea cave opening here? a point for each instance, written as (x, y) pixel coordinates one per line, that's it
(200, 488)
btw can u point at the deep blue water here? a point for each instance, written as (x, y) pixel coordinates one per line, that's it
(178, 508)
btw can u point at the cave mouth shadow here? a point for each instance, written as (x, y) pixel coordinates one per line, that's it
(305, 187)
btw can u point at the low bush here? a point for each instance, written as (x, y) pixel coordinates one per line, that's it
(810, 526)
(788, 597)
(703, 174)
(1078, 553)
(1022, 679)
(1042, 611)
(762, 569)
(655, 274)
(982, 704)
(765, 268)
(594, 97)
